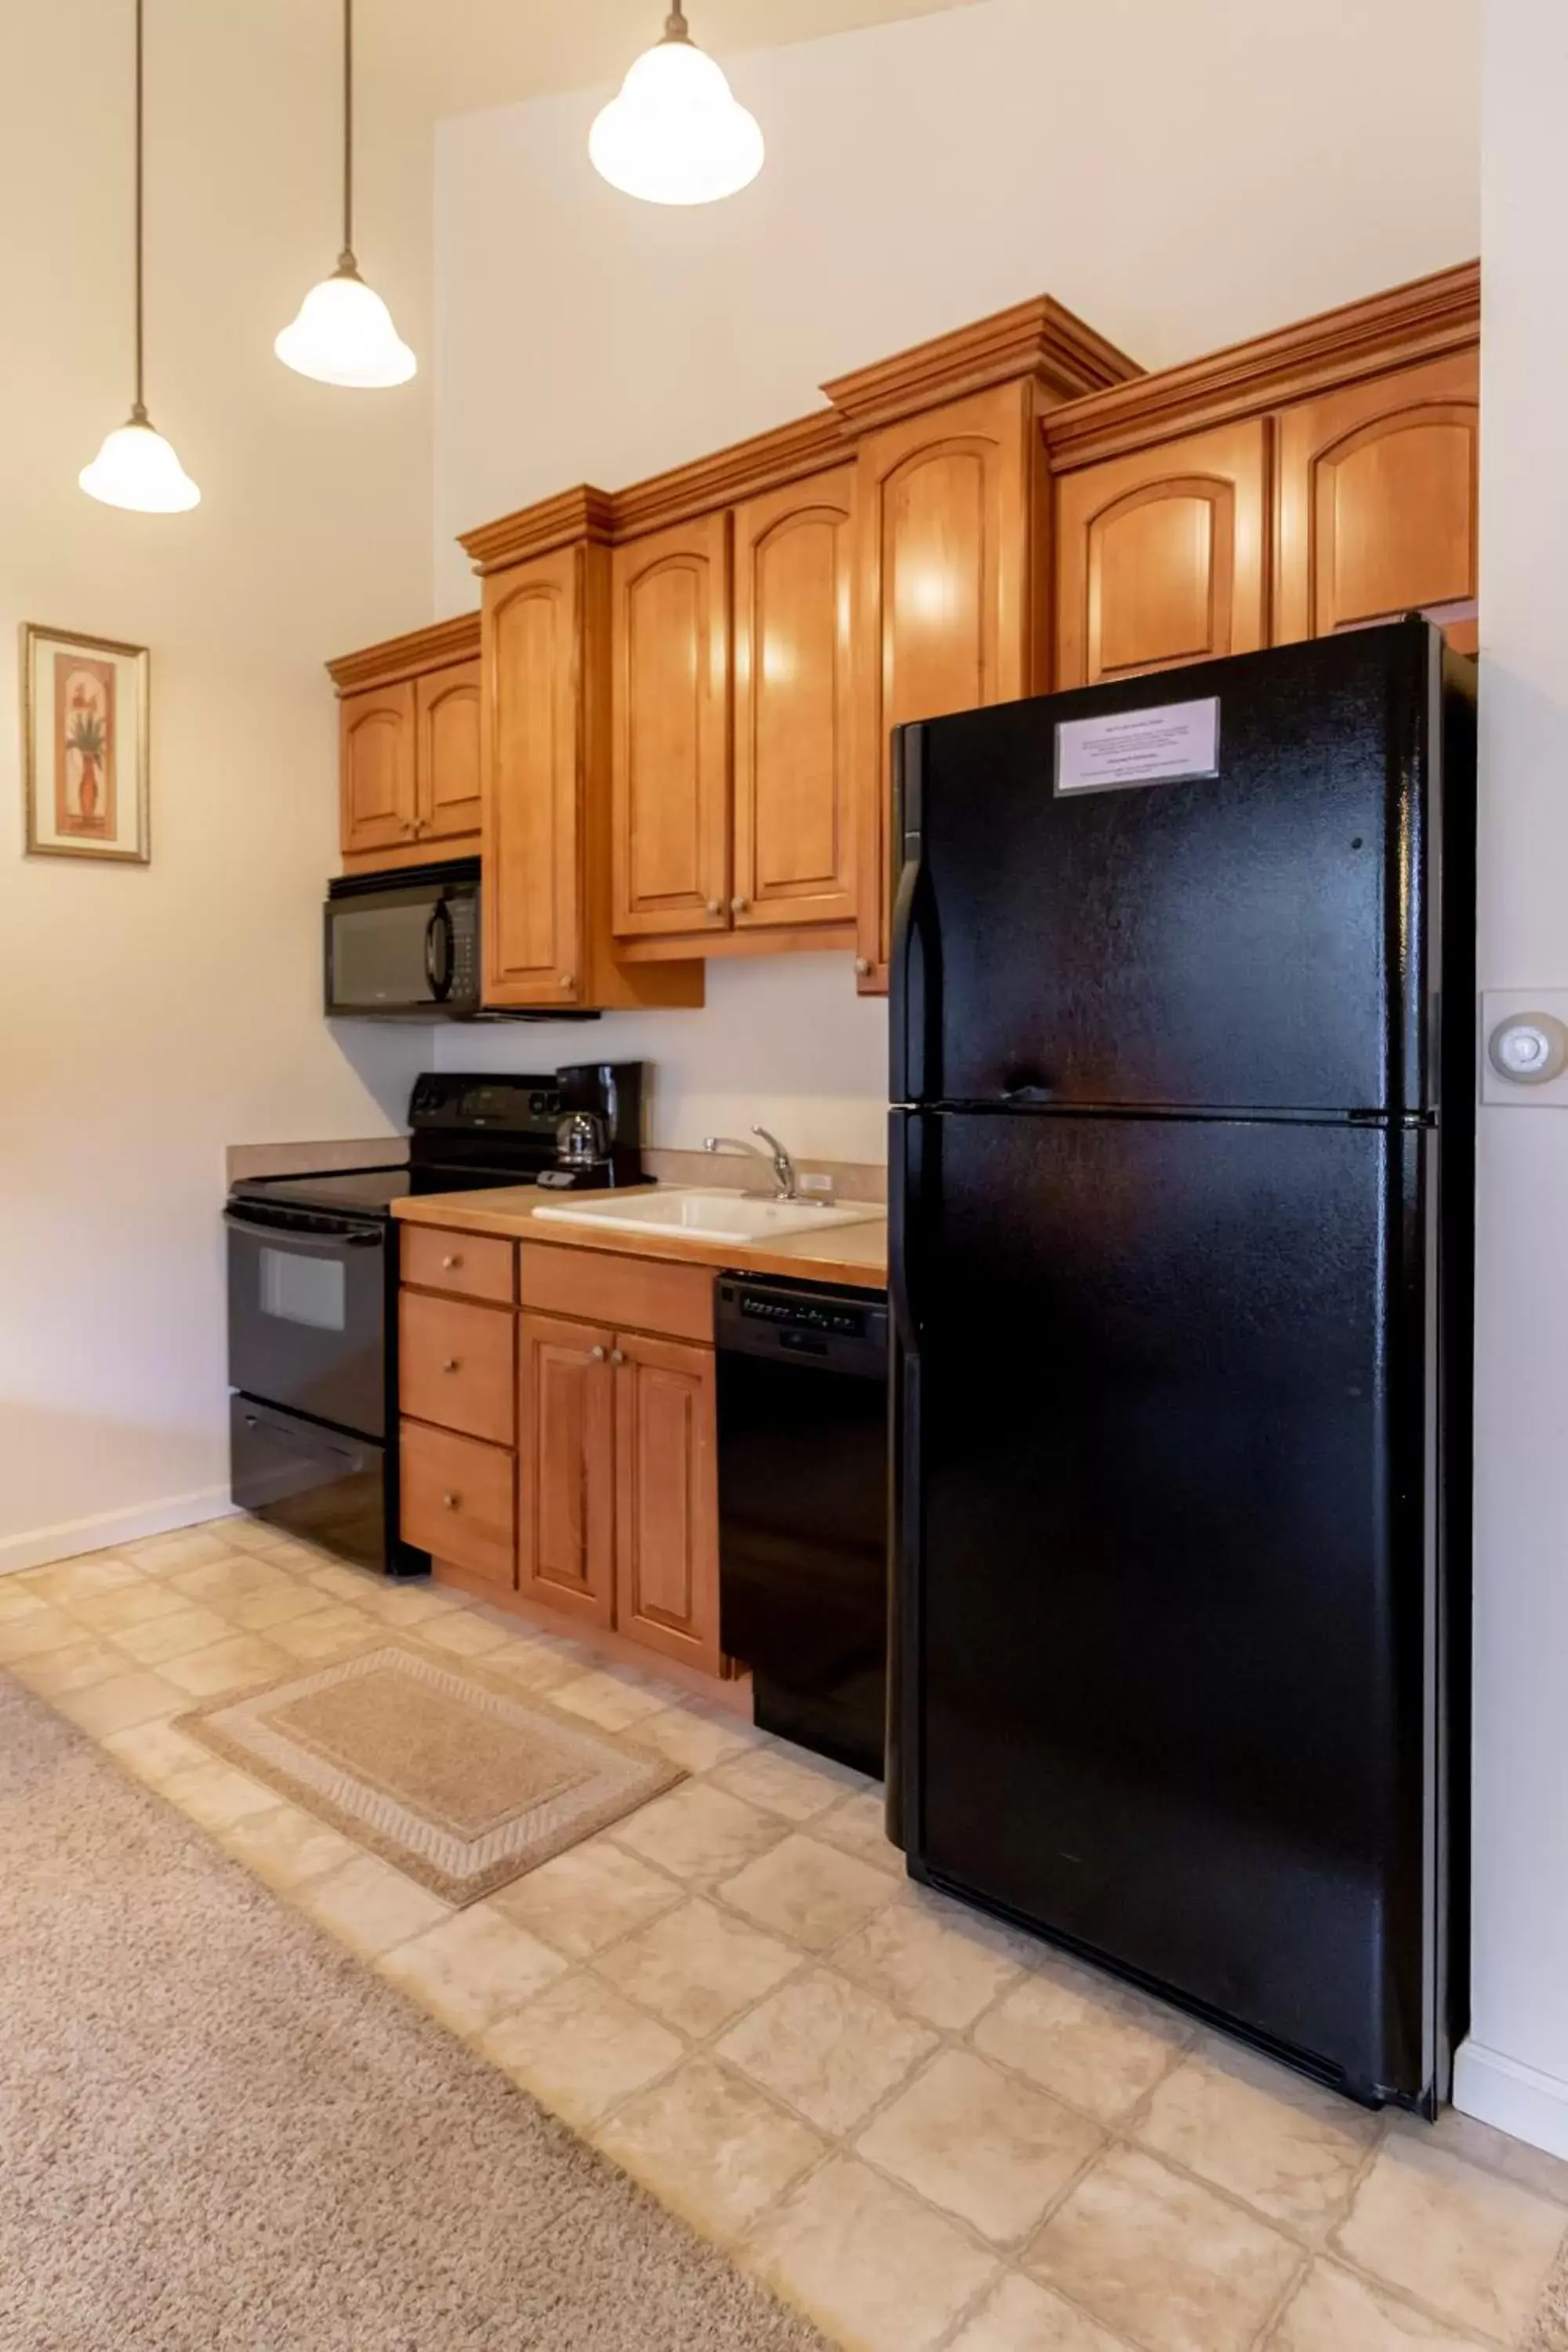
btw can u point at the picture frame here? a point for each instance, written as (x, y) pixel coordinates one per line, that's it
(86, 737)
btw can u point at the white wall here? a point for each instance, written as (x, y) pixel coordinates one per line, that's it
(153, 1015)
(1515, 2070)
(1183, 175)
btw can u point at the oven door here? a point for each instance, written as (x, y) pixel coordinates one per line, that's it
(307, 1312)
(408, 953)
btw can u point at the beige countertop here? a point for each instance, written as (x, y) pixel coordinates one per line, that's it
(856, 1255)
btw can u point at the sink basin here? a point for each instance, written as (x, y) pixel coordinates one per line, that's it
(714, 1216)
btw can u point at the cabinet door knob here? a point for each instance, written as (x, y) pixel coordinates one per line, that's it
(862, 966)
(450, 1265)
(450, 1502)
(715, 906)
(595, 1355)
(567, 979)
(738, 906)
(617, 1356)
(452, 1364)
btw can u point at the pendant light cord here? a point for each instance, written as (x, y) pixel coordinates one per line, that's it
(676, 27)
(138, 412)
(346, 259)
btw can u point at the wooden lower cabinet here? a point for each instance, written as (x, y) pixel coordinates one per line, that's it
(457, 1502)
(666, 1500)
(566, 1466)
(617, 1483)
(555, 1453)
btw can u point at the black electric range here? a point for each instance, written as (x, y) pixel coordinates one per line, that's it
(313, 1291)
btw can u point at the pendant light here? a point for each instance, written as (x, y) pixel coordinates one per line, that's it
(675, 135)
(136, 467)
(344, 333)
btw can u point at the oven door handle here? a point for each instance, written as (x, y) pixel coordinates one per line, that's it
(282, 1223)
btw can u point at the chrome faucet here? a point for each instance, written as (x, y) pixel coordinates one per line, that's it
(782, 1165)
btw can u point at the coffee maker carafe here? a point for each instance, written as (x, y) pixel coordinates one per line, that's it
(598, 1138)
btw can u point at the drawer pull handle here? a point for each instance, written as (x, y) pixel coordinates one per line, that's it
(451, 1502)
(617, 1356)
(452, 1364)
(450, 1265)
(595, 1355)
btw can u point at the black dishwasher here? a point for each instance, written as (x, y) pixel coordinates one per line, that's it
(803, 1508)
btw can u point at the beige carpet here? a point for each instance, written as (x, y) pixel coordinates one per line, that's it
(461, 1785)
(219, 2134)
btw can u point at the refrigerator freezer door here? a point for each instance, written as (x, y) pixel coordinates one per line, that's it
(1257, 939)
(1165, 1591)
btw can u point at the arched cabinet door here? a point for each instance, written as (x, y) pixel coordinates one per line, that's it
(794, 838)
(1160, 556)
(946, 619)
(670, 719)
(1378, 503)
(449, 713)
(529, 753)
(376, 768)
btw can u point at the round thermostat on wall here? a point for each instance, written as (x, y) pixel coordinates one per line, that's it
(1529, 1048)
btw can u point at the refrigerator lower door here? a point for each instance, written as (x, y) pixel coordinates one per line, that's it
(1166, 1564)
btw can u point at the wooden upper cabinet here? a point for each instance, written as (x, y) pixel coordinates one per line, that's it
(1160, 556)
(446, 705)
(529, 750)
(566, 1468)
(670, 723)
(377, 769)
(944, 618)
(793, 759)
(1378, 503)
(667, 1499)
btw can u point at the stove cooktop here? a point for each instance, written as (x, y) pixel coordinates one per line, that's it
(371, 1191)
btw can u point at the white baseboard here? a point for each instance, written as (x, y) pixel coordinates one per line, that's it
(1511, 2097)
(45, 1545)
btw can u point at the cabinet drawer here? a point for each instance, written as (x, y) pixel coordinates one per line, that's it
(455, 1365)
(458, 1502)
(470, 1265)
(631, 1294)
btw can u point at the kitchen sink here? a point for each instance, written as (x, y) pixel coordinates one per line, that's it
(713, 1215)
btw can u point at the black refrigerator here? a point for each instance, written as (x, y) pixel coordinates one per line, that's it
(1181, 1152)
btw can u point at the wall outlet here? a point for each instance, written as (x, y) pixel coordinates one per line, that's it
(820, 1185)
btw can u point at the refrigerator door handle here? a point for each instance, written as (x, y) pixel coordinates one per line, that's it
(905, 1169)
(912, 958)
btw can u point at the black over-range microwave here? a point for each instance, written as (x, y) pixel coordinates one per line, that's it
(406, 947)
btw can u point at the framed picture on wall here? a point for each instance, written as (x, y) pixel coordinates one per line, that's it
(84, 746)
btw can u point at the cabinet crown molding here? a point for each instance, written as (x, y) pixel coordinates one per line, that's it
(583, 513)
(1039, 340)
(1418, 321)
(410, 656)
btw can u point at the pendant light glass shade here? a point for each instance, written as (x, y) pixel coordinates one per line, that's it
(675, 134)
(136, 467)
(343, 334)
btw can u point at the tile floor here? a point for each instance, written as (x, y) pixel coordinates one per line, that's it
(921, 2129)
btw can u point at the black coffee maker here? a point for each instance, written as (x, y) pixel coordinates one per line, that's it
(598, 1139)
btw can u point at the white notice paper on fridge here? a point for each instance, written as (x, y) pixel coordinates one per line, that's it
(1173, 742)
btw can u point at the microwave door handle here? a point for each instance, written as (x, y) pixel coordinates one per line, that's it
(438, 968)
